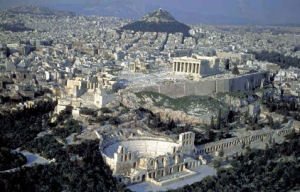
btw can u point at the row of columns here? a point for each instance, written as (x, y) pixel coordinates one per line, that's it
(92, 85)
(284, 132)
(186, 67)
(125, 157)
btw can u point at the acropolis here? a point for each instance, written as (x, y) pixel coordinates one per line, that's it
(199, 66)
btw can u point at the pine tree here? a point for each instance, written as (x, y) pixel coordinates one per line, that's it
(212, 124)
(219, 122)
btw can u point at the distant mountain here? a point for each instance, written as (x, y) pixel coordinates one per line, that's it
(158, 21)
(33, 10)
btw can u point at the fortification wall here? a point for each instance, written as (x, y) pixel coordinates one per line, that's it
(247, 82)
(200, 88)
(209, 86)
(172, 89)
(223, 85)
(151, 89)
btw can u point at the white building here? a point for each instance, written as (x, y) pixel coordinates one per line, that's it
(101, 98)
(151, 159)
(200, 66)
(287, 74)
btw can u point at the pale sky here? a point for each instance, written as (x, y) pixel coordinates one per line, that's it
(189, 11)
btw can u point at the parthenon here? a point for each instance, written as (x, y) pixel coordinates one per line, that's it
(196, 65)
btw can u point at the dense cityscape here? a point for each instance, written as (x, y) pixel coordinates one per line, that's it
(94, 103)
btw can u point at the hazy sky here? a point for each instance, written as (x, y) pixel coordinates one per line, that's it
(190, 11)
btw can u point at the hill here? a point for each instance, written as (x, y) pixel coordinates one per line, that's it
(158, 21)
(33, 10)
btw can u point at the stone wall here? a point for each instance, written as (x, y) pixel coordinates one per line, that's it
(209, 86)
(263, 136)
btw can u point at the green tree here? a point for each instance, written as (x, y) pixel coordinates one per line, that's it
(212, 123)
(219, 120)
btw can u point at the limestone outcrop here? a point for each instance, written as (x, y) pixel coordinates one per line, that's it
(130, 100)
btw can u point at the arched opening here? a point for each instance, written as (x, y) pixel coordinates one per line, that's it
(144, 177)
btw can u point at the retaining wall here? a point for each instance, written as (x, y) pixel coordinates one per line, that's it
(209, 86)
